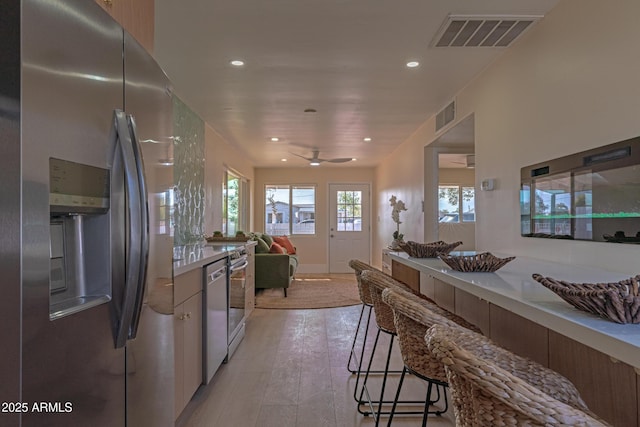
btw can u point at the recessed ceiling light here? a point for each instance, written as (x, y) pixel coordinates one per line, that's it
(275, 139)
(412, 64)
(283, 160)
(237, 63)
(367, 139)
(354, 159)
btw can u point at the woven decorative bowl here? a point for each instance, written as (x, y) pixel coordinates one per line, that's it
(484, 262)
(428, 250)
(618, 301)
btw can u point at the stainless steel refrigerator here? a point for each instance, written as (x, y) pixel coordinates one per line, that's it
(85, 221)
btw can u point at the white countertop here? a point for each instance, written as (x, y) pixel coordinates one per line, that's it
(189, 257)
(513, 288)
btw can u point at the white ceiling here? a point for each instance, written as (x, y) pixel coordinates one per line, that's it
(344, 58)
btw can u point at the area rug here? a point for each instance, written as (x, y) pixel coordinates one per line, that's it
(312, 291)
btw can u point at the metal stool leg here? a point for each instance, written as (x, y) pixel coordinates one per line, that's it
(384, 381)
(427, 401)
(364, 389)
(355, 338)
(395, 401)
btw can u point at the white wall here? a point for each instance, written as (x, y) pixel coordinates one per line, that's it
(401, 175)
(570, 84)
(220, 155)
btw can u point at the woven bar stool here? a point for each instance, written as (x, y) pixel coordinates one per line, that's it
(365, 297)
(367, 304)
(412, 317)
(378, 282)
(492, 386)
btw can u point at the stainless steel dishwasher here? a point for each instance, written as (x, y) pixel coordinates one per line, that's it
(215, 321)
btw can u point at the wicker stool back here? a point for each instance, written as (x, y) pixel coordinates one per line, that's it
(484, 393)
(378, 282)
(363, 288)
(412, 317)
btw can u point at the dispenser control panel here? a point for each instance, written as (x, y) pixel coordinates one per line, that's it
(75, 187)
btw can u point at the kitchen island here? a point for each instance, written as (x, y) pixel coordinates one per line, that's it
(192, 308)
(190, 257)
(601, 357)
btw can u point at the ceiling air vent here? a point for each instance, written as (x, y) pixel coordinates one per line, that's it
(446, 116)
(482, 31)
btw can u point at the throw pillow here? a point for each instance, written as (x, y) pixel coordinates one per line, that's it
(285, 243)
(268, 239)
(262, 247)
(277, 249)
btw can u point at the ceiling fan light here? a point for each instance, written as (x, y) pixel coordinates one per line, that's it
(314, 163)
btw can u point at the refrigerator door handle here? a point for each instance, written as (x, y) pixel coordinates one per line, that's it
(144, 227)
(125, 153)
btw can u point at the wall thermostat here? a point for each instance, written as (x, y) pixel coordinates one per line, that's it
(487, 184)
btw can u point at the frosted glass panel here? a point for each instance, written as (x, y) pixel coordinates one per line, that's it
(188, 131)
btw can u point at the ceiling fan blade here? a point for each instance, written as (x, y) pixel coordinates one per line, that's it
(341, 160)
(302, 157)
(315, 159)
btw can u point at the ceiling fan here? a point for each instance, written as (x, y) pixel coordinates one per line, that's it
(315, 160)
(469, 161)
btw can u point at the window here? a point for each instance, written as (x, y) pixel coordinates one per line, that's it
(349, 211)
(165, 203)
(235, 204)
(450, 197)
(290, 209)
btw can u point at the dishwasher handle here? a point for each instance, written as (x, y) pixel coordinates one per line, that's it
(239, 267)
(222, 271)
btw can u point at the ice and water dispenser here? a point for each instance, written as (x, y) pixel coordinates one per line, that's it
(80, 255)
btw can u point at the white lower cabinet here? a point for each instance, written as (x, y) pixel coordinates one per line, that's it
(187, 337)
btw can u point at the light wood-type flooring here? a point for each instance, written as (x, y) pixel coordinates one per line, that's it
(290, 371)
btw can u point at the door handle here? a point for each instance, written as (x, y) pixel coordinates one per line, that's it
(123, 153)
(144, 227)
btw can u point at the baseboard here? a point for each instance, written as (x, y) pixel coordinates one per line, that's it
(312, 268)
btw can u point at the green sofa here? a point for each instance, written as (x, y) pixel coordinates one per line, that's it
(273, 270)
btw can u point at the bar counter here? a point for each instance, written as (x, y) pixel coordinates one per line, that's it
(601, 357)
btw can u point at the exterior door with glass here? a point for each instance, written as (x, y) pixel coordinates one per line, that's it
(349, 225)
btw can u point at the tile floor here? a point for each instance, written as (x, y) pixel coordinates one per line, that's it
(290, 371)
